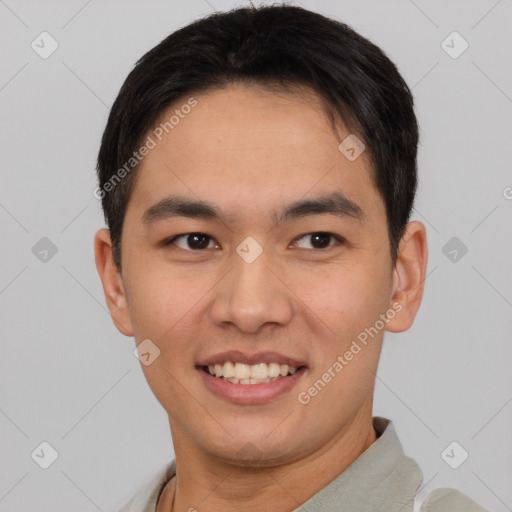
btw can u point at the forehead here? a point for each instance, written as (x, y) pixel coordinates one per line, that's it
(251, 146)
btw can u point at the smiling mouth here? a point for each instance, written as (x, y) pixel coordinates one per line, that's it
(260, 373)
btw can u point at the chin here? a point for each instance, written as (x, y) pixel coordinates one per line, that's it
(255, 453)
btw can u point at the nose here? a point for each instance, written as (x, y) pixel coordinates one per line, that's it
(252, 296)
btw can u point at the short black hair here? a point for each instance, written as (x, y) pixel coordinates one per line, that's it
(273, 45)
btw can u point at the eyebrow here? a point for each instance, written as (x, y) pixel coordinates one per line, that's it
(334, 203)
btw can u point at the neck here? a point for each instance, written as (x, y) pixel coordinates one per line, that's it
(204, 482)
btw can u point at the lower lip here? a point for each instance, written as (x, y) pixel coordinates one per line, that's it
(250, 394)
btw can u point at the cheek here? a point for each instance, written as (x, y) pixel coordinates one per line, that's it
(345, 297)
(163, 307)
(166, 304)
(156, 300)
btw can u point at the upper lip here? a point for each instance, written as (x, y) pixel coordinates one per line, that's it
(236, 356)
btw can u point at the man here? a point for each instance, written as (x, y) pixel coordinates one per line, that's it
(257, 175)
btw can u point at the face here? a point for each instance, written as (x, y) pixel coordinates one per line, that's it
(285, 261)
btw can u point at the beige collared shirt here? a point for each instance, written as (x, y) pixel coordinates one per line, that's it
(382, 479)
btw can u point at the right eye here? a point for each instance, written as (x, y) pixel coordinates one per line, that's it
(194, 241)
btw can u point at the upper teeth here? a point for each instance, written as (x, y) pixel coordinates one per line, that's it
(242, 371)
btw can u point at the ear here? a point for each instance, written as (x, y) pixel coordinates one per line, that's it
(409, 277)
(112, 282)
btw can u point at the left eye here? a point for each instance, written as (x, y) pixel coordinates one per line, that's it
(320, 240)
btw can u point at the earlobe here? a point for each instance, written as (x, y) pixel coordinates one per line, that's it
(111, 279)
(409, 276)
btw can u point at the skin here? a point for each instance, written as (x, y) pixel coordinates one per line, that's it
(250, 151)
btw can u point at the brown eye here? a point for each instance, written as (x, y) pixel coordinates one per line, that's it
(319, 240)
(193, 241)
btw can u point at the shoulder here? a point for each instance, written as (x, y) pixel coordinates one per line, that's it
(147, 497)
(449, 500)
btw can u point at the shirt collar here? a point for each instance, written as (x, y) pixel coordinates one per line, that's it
(381, 479)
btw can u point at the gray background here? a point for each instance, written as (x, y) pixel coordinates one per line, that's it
(69, 378)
